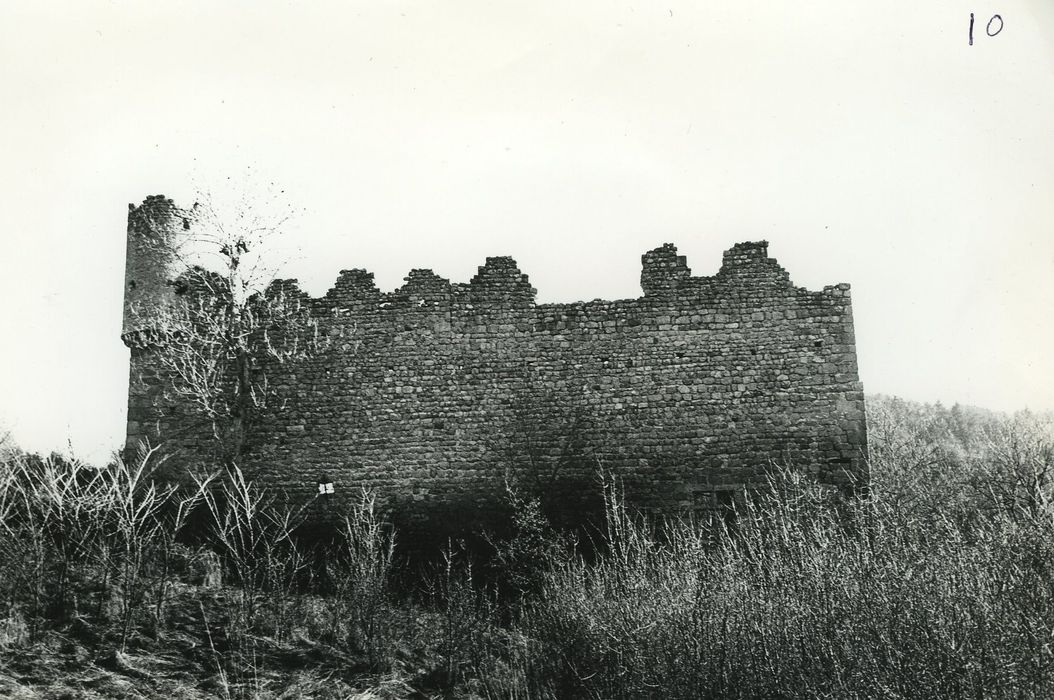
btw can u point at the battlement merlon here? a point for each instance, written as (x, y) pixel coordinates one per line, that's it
(746, 265)
(750, 262)
(500, 284)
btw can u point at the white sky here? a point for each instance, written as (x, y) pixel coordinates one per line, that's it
(868, 142)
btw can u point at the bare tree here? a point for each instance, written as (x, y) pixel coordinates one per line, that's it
(547, 436)
(1021, 455)
(231, 324)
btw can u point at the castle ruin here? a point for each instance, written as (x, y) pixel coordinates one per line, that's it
(437, 392)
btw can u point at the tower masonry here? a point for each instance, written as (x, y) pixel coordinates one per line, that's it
(156, 229)
(155, 232)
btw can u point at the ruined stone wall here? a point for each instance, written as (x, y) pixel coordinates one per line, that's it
(436, 393)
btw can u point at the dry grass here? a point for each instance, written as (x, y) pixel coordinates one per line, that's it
(939, 584)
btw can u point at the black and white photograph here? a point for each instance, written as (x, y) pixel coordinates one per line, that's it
(406, 350)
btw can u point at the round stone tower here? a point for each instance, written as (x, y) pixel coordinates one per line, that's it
(155, 230)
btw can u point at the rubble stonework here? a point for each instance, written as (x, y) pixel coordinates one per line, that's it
(151, 260)
(438, 392)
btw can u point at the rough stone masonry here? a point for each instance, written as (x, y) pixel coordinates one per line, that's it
(438, 393)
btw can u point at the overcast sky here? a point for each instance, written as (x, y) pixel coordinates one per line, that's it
(868, 142)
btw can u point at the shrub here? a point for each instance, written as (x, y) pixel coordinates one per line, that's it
(522, 560)
(358, 572)
(254, 538)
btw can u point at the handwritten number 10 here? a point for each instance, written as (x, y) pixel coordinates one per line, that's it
(996, 21)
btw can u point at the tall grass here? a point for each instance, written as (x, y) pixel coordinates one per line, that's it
(938, 583)
(809, 597)
(800, 603)
(253, 534)
(358, 575)
(76, 539)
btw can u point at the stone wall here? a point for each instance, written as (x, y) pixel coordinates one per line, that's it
(436, 393)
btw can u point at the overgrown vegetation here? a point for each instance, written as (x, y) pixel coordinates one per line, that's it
(940, 583)
(217, 341)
